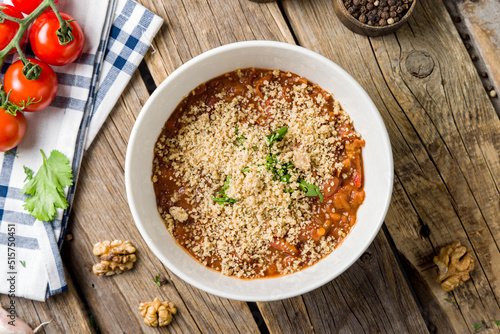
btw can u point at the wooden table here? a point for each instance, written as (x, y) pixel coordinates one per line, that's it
(445, 137)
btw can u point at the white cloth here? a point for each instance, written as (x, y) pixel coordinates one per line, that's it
(117, 35)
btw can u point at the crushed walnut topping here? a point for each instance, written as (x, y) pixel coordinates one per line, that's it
(216, 171)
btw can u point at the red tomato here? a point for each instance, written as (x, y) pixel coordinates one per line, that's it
(12, 130)
(20, 88)
(8, 29)
(27, 6)
(45, 43)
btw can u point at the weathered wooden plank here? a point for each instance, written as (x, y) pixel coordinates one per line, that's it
(444, 133)
(286, 316)
(479, 24)
(368, 297)
(66, 312)
(193, 27)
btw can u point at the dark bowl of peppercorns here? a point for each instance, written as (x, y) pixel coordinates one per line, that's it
(374, 17)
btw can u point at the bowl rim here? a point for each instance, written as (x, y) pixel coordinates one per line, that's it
(244, 296)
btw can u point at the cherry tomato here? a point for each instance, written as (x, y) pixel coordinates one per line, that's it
(20, 88)
(12, 130)
(27, 6)
(45, 43)
(8, 29)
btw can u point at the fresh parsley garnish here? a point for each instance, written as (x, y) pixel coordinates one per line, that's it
(311, 190)
(29, 173)
(246, 169)
(156, 279)
(277, 135)
(450, 301)
(222, 198)
(239, 139)
(46, 188)
(496, 322)
(280, 170)
(479, 327)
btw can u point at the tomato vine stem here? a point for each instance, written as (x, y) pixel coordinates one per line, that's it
(23, 26)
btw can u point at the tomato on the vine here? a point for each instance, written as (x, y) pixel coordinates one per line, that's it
(41, 91)
(45, 43)
(27, 6)
(8, 29)
(12, 129)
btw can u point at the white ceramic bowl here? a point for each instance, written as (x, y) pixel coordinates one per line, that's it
(377, 157)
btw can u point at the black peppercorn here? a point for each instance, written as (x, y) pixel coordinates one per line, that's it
(377, 12)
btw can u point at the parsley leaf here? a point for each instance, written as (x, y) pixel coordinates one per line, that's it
(277, 135)
(222, 198)
(450, 301)
(156, 279)
(497, 322)
(29, 173)
(311, 190)
(47, 187)
(280, 170)
(239, 139)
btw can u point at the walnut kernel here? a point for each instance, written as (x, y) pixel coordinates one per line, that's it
(454, 265)
(157, 314)
(116, 257)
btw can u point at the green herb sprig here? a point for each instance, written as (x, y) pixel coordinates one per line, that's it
(46, 188)
(222, 198)
(239, 139)
(311, 190)
(277, 135)
(281, 173)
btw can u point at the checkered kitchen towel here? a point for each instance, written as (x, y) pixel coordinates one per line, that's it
(118, 33)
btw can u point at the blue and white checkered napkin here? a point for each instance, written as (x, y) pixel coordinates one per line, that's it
(118, 34)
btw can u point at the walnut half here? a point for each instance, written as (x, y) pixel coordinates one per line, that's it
(116, 257)
(157, 314)
(454, 265)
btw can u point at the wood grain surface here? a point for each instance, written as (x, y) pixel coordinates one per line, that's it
(445, 139)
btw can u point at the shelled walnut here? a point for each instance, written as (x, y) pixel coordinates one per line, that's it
(157, 314)
(116, 257)
(454, 265)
